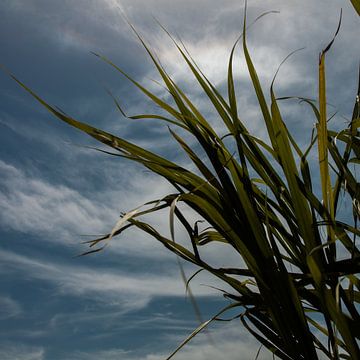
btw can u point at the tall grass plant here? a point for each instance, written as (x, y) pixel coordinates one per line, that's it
(298, 284)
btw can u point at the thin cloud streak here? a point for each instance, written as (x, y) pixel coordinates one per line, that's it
(133, 291)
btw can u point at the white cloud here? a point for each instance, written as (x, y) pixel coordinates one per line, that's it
(32, 205)
(227, 340)
(60, 214)
(56, 212)
(230, 340)
(129, 291)
(269, 41)
(111, 354)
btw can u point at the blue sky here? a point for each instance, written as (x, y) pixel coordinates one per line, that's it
(128, 302)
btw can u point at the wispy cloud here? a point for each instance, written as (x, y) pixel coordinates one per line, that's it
(9, 307)
(21, 352)
(32, 205)
(53, 42)
(130, 291)
(229, 339)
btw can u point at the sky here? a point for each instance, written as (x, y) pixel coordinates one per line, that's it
(128, 302)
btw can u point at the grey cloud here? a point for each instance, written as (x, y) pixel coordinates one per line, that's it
(81, 25)
(9, 307)
(299, 24)
(21, 352)
(270, 40)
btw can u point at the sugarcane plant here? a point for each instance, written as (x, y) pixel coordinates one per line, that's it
(297, 290)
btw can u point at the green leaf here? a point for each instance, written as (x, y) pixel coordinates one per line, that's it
(202, 327)
(356, 5)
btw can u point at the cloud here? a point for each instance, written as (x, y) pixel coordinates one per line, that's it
(35, 206)
(61, 214)
(32, 205)
(9, 307)
(229, 339)
(131, 291)
(270, 40)
(21, 352)
(103, 354)
(66, 25)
